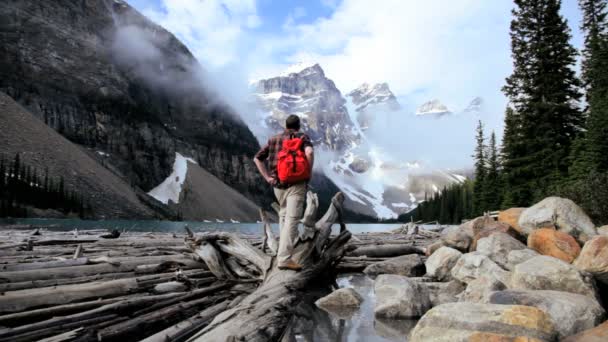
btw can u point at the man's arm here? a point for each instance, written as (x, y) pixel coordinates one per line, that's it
(259, 162)
(310, 155)
(264, 171)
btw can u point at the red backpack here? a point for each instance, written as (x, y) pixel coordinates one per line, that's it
(292, 165)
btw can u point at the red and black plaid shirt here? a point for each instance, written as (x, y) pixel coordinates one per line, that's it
(270, 152)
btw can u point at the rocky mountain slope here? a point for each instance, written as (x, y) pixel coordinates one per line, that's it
(41, 147)
(308, 93)
(108, 79)
(198, 195)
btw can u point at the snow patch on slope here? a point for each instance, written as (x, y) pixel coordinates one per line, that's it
(171, 188)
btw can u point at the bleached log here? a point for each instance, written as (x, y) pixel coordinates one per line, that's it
(118, 306)
(87, 270)
(25, 317)
(386, 251)
(20, 300)
(212, 257)
(157, 320)
(44, 265)
(269, 239)
(265, 314)
(183, 329)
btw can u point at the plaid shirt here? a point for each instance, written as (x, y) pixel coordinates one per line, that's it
(270, 152)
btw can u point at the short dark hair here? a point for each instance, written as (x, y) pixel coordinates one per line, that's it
(293, 122)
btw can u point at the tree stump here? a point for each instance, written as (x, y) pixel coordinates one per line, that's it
(267, 314)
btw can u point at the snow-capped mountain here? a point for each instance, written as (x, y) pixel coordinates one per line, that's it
(433, 107)
(305, 91)
(374, 182)
(369, 100)
(475, 106)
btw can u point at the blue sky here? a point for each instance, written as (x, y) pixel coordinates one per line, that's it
(449, 50)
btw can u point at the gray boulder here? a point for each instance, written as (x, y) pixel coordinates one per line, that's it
(480, 289)
(441, 293)
(466, 322)
(344, 297)
(498, 246)
(457, 238)
(562, 213)
(548, 273)
(516, 257)
(471, 266)
(571, 313)
(440, 264)
(399, 297)
(405, 265)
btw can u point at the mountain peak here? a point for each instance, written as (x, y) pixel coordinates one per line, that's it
(433, 107)
(303, 67)
(377, 94)
(474, 106)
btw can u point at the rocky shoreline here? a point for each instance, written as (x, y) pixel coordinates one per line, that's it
(532, 274)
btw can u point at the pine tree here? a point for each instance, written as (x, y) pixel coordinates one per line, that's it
(480, 171)
(543, 119)
(592, 149)
(492, 182)
(2, 176)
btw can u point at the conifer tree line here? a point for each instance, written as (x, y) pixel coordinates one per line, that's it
(22, 185)
(555, 139)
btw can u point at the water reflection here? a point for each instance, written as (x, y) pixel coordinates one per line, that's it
(315, 325)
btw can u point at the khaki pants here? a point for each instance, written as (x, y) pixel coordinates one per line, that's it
(291, 202)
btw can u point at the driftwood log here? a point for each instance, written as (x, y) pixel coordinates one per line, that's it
(267, 313)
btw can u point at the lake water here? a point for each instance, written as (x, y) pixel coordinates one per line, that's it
(358, 325)
(174, 226)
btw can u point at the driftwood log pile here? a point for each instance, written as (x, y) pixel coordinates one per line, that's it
(80, 286)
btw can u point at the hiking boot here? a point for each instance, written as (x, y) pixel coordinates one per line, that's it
(290, 265)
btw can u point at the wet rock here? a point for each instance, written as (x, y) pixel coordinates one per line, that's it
(455, 322)
(561, 213)
(474, 265)
(479, 290)
(441, 293)
(571, 313)
(597, 334)
(498, 246)
(345, 297)
(406, 265)
(511, 217)
(457, 238)
(551, 242)
(399, 297)
(440, 264)
(548, 273)
(594, 258)
(516, 257)
(432, 248)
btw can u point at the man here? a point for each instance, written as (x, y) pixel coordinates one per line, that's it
(289, 177)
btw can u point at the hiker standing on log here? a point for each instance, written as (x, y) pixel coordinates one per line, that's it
(290, 157)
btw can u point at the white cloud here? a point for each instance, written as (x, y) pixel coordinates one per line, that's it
(428, 49)
(214, 30)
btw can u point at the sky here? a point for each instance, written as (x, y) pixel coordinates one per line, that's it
(433, 49)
